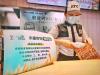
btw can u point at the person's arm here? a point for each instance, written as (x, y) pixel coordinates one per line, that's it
(69, 44)
(65, 43)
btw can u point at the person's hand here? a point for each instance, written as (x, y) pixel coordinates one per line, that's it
(78, 45)
(88, 40)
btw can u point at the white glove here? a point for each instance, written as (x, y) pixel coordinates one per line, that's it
(79, 45)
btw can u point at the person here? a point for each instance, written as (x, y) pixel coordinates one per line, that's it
(70, 31)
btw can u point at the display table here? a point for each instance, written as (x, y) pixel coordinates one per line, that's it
(80, 67)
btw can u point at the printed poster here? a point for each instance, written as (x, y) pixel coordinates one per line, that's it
(41, 21)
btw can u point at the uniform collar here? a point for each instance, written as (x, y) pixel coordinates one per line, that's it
(68, 24)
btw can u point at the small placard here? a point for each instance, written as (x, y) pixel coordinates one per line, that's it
(26, 50)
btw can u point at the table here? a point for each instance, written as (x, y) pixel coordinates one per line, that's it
(77, 67)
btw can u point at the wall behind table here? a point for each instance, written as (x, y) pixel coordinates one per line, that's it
(91, 21)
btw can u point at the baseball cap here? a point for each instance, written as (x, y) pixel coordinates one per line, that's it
(73, 7)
